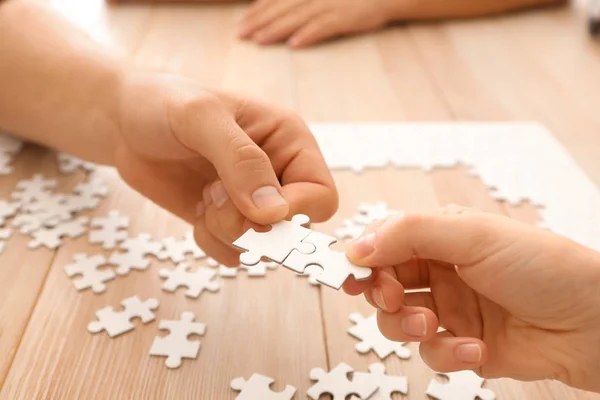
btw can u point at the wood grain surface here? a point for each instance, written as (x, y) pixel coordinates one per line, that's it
(532, 66)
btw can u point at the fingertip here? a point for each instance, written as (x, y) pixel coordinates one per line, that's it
(448, 354)
(409, 324)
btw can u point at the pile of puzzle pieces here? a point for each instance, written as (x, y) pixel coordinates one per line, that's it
(36, 210)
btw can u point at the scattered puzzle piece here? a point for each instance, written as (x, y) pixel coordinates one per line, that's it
(370, 213)
(372, 339)
(67, 164)
(51, 237)
(135, 257)
(257, 270)
(387, 384)
(10, 144)
(336, 267)
(258, 388)
(350, 230)
(52, 209)
(7, 210)
(175, 250)
(337, 384)
(30, 190)
(91, 275)
(196, 282)
(5, 234)
(110, 229)
(116, 323)
(176, 345)
(5, 167)
(276, 244)
(461, 385)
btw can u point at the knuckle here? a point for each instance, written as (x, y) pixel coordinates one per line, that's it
(249, 157)
(182, 107)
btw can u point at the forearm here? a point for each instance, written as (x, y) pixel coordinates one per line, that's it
(57, 87)
(402, 10)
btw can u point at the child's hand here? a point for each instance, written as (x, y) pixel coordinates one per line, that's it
(218, 160)
(521, 302)
(305, 22)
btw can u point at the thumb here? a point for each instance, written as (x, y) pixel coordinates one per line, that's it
(244, 168)
(459, 237)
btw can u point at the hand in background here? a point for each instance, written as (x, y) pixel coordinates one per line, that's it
(305, 22)
(514, 300)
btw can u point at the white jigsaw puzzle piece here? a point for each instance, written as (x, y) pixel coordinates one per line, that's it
(370, 213)
(336, 266)
(116, 323)
(67, 164)
(387, 384)
(5, 234)
(371, 338)
(461, 385)
(30, 190)
(258, 388)
(176, 345)
(52, 237)
(135, 256)
(350, 230)
(276, 244)
(7, 210)
(88, 267)
(111, 230)
(253, 271)
(175, 249)
(196, 281)
(337, 384)
(9, 144)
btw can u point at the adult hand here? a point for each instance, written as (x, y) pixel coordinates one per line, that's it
(514, 300)
(218, 160)
(305, 22)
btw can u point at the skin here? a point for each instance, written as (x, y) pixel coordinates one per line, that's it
(513, 300)
(302, 23)
(218, 160)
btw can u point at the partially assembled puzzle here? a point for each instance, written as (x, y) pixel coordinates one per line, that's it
(293, 245)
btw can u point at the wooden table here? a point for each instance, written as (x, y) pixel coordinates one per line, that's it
(534, 66)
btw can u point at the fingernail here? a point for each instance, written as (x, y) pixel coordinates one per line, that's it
(268, 197)
(199, 209)
(206, 197)
(414, 325)
(219, 194)
(363, 246)
(377, 295)
(469, 353)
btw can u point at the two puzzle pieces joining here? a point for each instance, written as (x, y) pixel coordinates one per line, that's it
(293, 245)
(258, 387)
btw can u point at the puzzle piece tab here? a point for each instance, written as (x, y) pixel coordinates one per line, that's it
(276, 244)
(176, 345)
(258, 388)
(116, 323)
